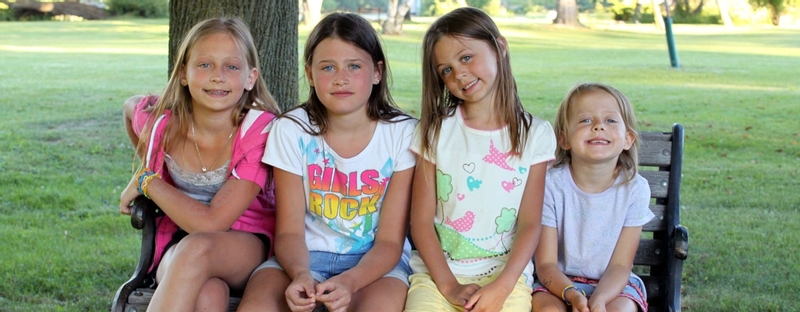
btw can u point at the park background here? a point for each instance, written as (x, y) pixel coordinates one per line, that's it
(64, 156)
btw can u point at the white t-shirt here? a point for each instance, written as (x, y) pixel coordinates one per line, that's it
(589, 225)
(479, 187)
(345, 195)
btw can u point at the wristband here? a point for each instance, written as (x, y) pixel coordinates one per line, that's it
(144, 177)
(570, 286)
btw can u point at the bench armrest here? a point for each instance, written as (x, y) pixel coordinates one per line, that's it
(680, 242)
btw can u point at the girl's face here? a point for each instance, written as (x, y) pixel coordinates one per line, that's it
(597, 131)
(342, 75)
(217, 73)
(468, 68)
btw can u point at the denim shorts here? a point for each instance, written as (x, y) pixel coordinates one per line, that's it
(634, 290)
(325, 265)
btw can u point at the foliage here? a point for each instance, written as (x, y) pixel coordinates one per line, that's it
(65, 155)
(438, 7)
(140, 8)
(352, 5)
(776, 7)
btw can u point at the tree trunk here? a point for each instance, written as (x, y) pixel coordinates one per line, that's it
(657, 17)
(312, 12)
(723, 13)
(567, 13)
(395, 17)
(273, 24)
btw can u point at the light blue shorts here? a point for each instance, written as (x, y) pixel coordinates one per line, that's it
(325, 265)
(635, 290)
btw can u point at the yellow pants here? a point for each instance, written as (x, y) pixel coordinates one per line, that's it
(424, 296)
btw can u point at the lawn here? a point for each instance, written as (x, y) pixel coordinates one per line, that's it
(65, 157)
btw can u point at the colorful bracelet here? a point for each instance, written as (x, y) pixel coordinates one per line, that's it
(570, 286)
(144, 177)
(146, 182)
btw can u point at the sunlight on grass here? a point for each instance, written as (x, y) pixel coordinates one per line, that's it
(99, 50)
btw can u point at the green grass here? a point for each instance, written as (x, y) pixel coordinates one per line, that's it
(65, 157)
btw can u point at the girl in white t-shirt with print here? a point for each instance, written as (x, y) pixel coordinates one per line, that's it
(477, 194)
(343, 174)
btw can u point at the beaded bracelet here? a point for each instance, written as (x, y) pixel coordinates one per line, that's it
(570, 286)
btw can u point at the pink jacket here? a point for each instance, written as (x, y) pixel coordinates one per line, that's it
(248, 149)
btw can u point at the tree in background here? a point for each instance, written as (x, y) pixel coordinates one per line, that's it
(273, 24)
(775, 7)
(567, 13)
(312, 12)
(393, 25)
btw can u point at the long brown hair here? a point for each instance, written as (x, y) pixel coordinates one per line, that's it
(628, 161)
(438, 103)
(356, 30)
(176, 97)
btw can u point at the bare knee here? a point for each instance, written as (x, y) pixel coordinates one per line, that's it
(545, 302)
(195, 249)
(214, 296)
(621, 304)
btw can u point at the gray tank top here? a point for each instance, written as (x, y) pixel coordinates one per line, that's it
(200, 186)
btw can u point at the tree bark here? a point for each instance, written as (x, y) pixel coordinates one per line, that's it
(273, 24)
(567, 13)
(395, 17)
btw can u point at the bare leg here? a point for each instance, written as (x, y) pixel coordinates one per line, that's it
(215, 296)
(385, 294)
(266, 291)
(229, 256)
(622, 304)
(545, 302)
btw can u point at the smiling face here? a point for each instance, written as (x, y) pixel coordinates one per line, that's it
(217, 73)
(596, 130)
(468, 68)
(342, 75)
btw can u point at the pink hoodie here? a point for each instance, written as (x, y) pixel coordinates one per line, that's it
(248, 149)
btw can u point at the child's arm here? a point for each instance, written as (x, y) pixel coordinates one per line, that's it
(386, 251)
(529, 224)
(290, 239)
(550, 276)
(619, 268)
(127, 114)
(423, 208)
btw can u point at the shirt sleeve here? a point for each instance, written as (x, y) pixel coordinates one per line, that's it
(405, 157)
(549, 203)
(251, 147)
(285, 146)
(141, 113)
(639, 210)
(543, 142)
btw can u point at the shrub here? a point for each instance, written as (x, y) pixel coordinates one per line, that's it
(141, 8)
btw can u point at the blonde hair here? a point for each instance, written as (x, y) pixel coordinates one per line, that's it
(628, 161)
(176, 97)
(438, 103)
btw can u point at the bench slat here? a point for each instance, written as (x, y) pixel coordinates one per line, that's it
(650, 252)
(140, 299)
(659, 182)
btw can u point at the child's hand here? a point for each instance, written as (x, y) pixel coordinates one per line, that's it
(580, 303)
(300, 295)
(596, 305)
(460, 294)
(489, 298)
(126, 198)
(335, 293)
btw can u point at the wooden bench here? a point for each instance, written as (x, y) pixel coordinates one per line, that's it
(659, 259)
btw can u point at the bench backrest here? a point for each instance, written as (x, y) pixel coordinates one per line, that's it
(660, 161)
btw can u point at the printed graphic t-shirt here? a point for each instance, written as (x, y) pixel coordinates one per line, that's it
(344, 195)
(479, 187)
